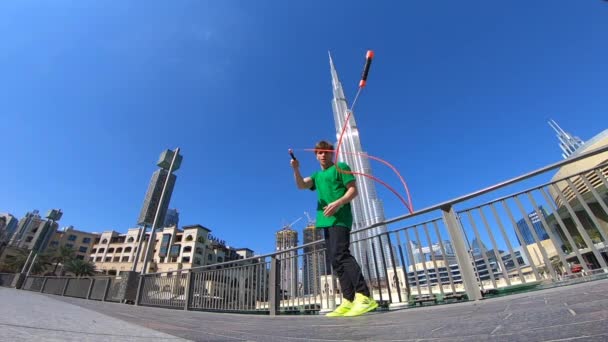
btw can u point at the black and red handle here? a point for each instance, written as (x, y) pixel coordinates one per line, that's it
(368, 63)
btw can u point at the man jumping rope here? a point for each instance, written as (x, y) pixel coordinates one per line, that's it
(336, 189)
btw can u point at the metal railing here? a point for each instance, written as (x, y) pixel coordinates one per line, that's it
(466, 248)
(526, 237)
(6, 279)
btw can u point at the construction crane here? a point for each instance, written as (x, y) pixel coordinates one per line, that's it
(310, 220)
(288, 226)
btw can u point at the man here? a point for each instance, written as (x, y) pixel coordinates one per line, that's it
(336, 188)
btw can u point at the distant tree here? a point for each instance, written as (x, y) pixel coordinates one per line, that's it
(16, 262)
(557, 264)
(79, 267)
(594, 235)
(62, 256)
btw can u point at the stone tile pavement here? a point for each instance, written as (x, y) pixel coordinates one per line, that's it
(570, 313)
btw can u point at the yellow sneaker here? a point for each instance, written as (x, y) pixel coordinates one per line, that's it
(341, 309)
(361, 305)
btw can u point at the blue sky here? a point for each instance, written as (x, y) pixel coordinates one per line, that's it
(457, 99)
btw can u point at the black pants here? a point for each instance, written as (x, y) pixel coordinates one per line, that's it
(345, 266)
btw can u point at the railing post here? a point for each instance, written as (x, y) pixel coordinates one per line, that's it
(105, 291)
(43, 284)
(462, 256)
(65, 287)
(274, 286)
(140, 288)
(188, 290)
(90, 288)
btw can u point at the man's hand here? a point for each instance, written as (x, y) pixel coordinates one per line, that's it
(331, 208)
(295, 163)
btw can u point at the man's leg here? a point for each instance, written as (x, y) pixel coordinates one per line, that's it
(352, 275)
(345, 265)
(333, 247)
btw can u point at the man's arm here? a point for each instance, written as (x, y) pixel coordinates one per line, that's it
(349, 195)
(301, 183)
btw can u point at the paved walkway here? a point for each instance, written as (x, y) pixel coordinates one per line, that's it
(30, 316)
(571, 313)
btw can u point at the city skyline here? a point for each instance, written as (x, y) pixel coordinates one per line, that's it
(447, 101)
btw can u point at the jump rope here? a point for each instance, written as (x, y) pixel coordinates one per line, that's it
(362, 83)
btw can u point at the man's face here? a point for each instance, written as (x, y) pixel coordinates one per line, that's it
(325, 158)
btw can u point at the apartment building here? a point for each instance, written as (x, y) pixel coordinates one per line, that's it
(81, 242)
(174, 249)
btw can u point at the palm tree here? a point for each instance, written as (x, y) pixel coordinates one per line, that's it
(16, 262)
(79, 267)
(62, 256)
(557, 264)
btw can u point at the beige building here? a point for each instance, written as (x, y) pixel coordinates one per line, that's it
(81, 242)
(174, 249)
(592, 187)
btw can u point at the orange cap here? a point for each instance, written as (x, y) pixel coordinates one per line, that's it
(370, 54)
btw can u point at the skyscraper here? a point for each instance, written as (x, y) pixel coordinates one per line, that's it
(27, 227)
(35, 233)
(172, 218)
(525, 231)
(152, 199)
(367, 208)
(8, 225)
(287, 238)
(567, 142)
(314, 260)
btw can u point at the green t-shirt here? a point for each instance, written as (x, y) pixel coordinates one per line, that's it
(331, 186)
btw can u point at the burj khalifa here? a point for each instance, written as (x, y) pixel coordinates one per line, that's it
(366, 207)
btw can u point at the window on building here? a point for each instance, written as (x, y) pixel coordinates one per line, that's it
(220, 259)
(108, 259)
(116, 259)
(125, 259)
(82, 249)
(201, 239)
(79, 256)
(86, 240)
(197, 261)
(111, 250)
(104, 241)
(187, 249)
(178, 238)
(119, 250)
(69, 245)
(127, 249)
(210, 257)
(130, 239)
(186, 259)
(175, 249)
(98, 259)
(101, 250)
(29, 239)
(164, 246)
(189, 238)
(199, 250)
(91, 259)
(72, 238)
